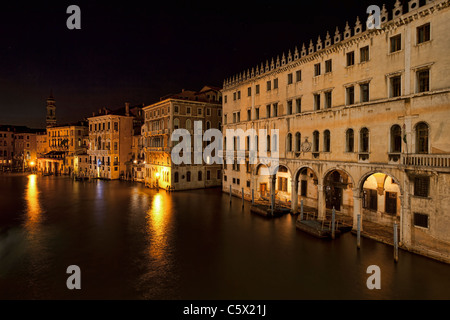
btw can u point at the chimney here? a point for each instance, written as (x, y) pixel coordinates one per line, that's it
(127, 109)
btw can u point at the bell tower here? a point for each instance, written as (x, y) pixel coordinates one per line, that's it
(51, 111)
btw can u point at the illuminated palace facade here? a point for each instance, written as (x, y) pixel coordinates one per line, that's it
(363, 125)
(110, 142)
(180, 111)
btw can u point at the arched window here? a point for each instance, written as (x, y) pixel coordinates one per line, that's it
(316, 137)
(188, 176)
(199, 176)
(268, 143)
(188, 124)
(364, 140)
(396, 139)
(176, 177)
(422, 137)
(326, 141)
(298, 142)
(275, 142)
(289, 142)
(350, 140)
(176, 123)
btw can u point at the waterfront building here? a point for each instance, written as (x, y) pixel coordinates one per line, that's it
(18, 147)
(110, 141)
(64, 143)
(363, 127)
(179, 111)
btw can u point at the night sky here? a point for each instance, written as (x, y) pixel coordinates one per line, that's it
(136, 51)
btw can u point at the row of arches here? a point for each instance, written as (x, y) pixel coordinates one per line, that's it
(376, 195)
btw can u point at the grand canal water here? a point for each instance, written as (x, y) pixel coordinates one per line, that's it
(135, 243)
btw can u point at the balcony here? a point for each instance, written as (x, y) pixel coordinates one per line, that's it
(427, 160)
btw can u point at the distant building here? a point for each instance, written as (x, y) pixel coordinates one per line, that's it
(110, 141)
(161, 119)
(64, 143)
(51, 111)
(18, 147)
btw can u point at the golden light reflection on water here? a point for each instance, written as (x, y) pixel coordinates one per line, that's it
(33, 209)
(158, 221)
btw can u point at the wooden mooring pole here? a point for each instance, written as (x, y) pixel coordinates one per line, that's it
(301, 210)
(395, 243)
(333, 217)
(242, 197)
(358, 231)
(253, 196)
(230, 194)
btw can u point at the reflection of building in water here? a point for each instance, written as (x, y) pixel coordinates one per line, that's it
(362, 118)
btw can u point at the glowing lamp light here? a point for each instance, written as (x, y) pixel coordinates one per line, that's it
(32, 163)
(157, 175)
(135, 161)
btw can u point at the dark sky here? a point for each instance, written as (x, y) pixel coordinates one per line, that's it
(138, 51)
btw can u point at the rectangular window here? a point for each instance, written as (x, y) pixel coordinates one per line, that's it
(364, 88)
(249, 114)
(275, 109)
(289, 107)
(188, 110)
(257, 89)
(275, 83)
(350, 58)
(298, 75)
(238, 116)
(219, 174)
(208, 111)
(396, 43)
(256, 113)
(175, 109)
(249, 91)
(303, 188)
(298, 105)
(370, 200)
(327, 99)
(396, 86)
(423, 80)
(317, 69)
(423, 33)
(234, 96)
(225, 118)
(234, 117)
(317, 101)
(225, 99)
(364, 54)
(420, 220)
(289, 78)
(328, 66)
(199, 112)
(390, 203)
(268, 111)
(269, 85)
(239, 95)
(421, 186)
(208, 175)
(350, 91)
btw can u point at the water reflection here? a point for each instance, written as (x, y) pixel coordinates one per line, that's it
(158, 218)
(33, 208)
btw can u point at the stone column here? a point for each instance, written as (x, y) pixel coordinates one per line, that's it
(357, 208)
(321, 205)
(294, 196)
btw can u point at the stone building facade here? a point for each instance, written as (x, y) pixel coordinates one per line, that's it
(180, 111)
(362, 119)
(110, 143)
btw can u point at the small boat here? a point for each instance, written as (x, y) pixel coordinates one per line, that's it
(316, 229)
(265, 211)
